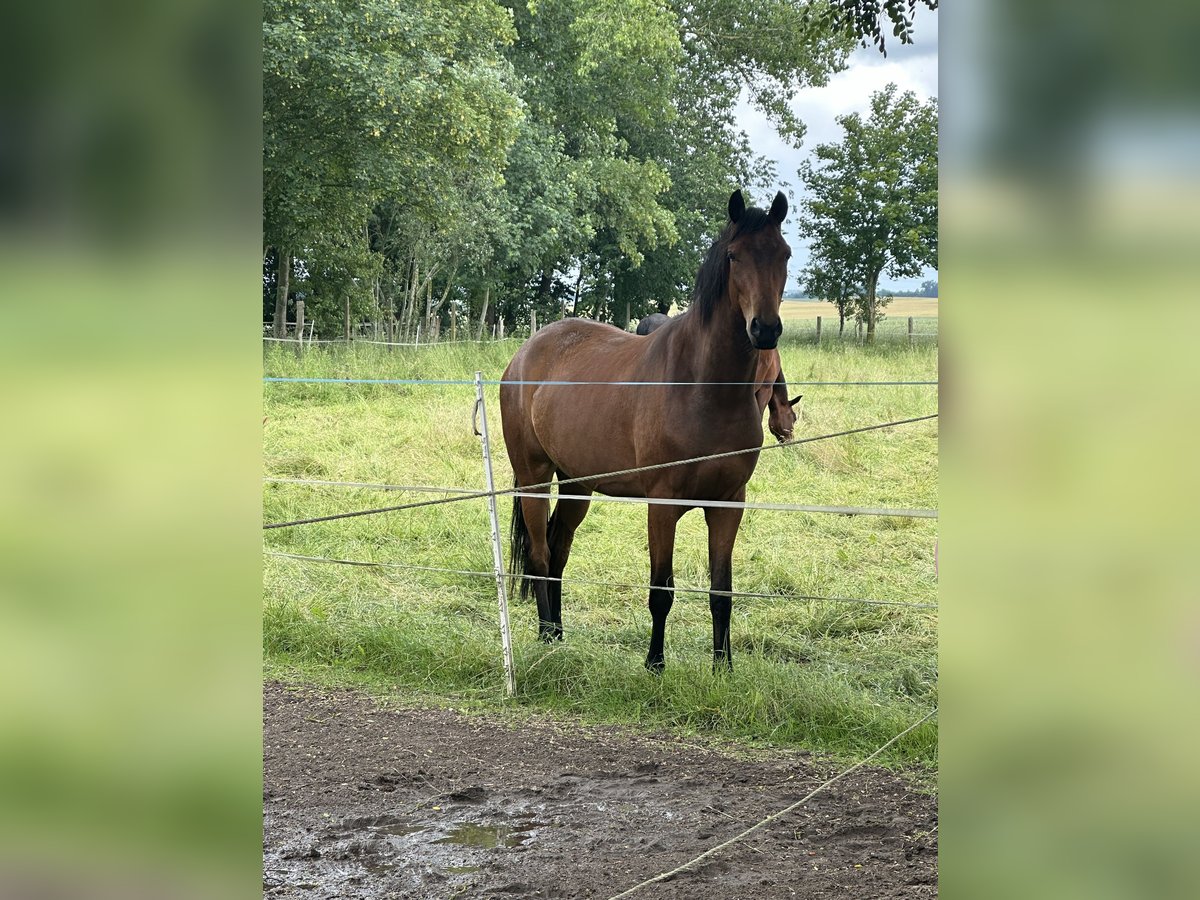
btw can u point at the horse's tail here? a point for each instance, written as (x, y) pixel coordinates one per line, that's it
(518, 548)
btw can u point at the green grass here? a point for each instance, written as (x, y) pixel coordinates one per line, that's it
(841, 678)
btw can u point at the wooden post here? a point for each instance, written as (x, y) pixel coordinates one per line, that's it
(299, 325)
(910, 331)
(532, 322)
(453, 325)
(818, 329)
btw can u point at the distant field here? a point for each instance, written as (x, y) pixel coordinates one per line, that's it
(901, 307)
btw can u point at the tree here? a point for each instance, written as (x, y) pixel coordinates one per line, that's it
(369, 99)
(865, 18)
(873, 204)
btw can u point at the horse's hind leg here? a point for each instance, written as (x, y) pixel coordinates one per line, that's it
(567, 516)
(535, 514)
(722, 532)
(535, 511)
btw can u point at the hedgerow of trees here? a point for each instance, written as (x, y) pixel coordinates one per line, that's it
(485, 161)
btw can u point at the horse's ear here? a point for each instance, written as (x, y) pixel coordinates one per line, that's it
(737, 206)
(797, 400)
(778, 208)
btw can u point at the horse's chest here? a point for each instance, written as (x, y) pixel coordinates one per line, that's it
(708, 436)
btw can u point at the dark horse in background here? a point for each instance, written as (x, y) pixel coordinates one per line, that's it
(651, 322)
(772, 384)
(582, 430)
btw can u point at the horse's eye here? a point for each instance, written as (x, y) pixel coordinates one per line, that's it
(729, 257)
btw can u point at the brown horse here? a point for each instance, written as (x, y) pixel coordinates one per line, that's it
(585, 430)
(772, 384)
(772, 392)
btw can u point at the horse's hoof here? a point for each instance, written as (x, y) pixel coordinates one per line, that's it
(655, 666)
(722, 665)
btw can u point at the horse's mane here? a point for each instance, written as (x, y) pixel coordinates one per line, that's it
(714, 271)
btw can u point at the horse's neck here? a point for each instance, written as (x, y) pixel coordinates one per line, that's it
(718, 351)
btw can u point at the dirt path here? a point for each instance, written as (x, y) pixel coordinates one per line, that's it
(362, 801)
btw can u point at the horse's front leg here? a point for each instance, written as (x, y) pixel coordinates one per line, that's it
(722, 532)
(661, 531)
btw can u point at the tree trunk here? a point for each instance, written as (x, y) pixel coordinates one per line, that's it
(578, 285)
(872, 282)
(410, 303)
(544, 285)
(483, 313)
(281, 293)
(437, 310)
(429, 308)
(841, 319)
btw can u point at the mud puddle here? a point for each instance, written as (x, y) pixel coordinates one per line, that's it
(435, 850)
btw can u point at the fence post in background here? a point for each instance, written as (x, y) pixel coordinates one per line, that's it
(510, 682)
(818, 329)
(299, 326)
(418, 332)
(453, 325)
(910, 331)
(532, 322)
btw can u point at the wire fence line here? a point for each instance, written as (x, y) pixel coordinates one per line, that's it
(600, 476)
(294, 340)
(272, 379)
(793, 334)
(657, 501)
(692, 863)
(682, 589)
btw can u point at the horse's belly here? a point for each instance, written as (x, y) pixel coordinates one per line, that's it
(613, 438)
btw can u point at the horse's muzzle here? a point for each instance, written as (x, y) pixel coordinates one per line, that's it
(764, 336)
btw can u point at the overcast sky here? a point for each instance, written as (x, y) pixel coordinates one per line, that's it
(913, 68)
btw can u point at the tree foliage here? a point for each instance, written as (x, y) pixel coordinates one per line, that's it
(865, 19)
(872, 208)
(486, 161)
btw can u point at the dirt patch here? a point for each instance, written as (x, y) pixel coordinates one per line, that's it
(364, 801)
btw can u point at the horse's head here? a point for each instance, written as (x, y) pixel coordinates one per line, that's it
(782, 419)
(757, 256)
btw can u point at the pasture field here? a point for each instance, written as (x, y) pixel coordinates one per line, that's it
(898, 311)
(829, 676)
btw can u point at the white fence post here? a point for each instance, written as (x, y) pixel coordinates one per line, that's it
(510, 681)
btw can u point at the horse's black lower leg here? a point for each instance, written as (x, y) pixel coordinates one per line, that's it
(535, 511)
(568, 514)
(721, 607)
(661, 530)
(661, 601)
(722, 532)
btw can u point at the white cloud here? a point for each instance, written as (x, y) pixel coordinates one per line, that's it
(912, 67)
